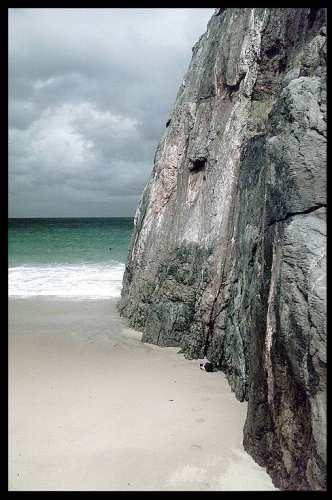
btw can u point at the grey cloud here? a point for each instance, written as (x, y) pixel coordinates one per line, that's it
(90, 91)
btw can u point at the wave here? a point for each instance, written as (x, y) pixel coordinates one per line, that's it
(75, 281)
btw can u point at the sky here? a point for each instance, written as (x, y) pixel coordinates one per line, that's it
(90, 91)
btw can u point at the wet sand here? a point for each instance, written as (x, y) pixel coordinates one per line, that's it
(91, 407)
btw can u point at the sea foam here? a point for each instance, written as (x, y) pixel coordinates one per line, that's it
(75, 281)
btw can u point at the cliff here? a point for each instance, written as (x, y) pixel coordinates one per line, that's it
(227, 258)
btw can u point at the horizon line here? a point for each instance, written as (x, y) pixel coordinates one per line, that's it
(78, 217)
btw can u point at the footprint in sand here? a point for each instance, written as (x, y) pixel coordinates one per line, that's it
(199, 420)
(196, 447)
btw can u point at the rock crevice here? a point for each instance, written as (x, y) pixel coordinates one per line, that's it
(304, 212)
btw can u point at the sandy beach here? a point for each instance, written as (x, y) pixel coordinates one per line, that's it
(91, 407)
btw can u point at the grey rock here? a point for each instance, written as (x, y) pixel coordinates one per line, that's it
(228, 254)
(293, 74)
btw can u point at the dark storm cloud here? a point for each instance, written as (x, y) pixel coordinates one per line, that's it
(90, 91)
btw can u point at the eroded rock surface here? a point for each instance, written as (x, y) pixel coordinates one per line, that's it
(228, 254)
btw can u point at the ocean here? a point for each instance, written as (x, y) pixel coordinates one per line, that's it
(77, 258)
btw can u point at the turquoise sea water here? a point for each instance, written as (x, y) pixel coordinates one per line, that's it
(73, 257)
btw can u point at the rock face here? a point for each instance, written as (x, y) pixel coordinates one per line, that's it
(227, 258)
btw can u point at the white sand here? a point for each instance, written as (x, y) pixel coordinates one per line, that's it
(91, 407)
